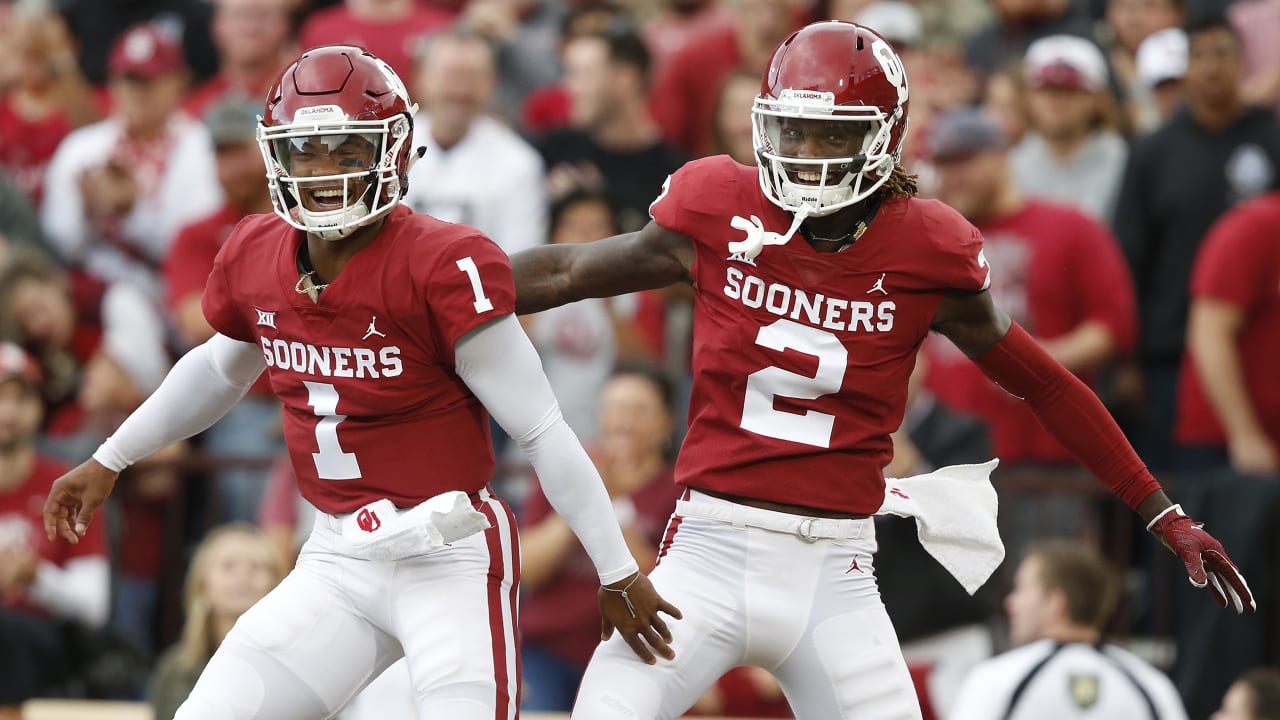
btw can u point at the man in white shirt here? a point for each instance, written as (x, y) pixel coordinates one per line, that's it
(476, 170)
(1063, 595)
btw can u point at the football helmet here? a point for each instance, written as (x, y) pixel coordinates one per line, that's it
(829, 121)
(336, 139)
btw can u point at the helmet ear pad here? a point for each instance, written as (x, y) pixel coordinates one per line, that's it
(830, 72)
(335, 90)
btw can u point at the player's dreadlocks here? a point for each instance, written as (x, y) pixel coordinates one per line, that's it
(900, 183)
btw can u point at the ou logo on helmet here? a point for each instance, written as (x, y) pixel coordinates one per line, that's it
(894, 72)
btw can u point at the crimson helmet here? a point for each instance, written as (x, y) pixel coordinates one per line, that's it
(344, 103)
(840, 88)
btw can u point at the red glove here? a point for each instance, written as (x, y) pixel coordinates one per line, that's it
(1207, 563)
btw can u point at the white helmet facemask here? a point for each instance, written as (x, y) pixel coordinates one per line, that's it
(846, 149)
(360, 183)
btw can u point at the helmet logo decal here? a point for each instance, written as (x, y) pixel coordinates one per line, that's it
(319, 113)
(892, 66)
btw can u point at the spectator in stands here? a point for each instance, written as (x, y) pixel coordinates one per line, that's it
(1063, 596)
(684, 95)
(254, 42)
(233, 568)
(732, 133)
(1258, 24)
(117, 191)
(1071, 152)
(1019, 23)
(1215, 152)
(1161, 65)
(97, 25)
(1004, 99)
(526, 36)
(252, 428)
(42, 585)
(48, 98)
(1062, 277)
(681, 22)
(1228, 400)
(558, 620)
(1255, 696)
(578, 342)
(1130, 23)
(476, 170)
(614, 144)
(390, 29)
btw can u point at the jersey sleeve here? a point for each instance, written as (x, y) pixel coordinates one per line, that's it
(218, 303)
(470, 285)
(693, 194)
(1231, 266)
(960, 261)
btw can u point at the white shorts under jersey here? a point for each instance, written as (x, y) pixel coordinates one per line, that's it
(1046, 679)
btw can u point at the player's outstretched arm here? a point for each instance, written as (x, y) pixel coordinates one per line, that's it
(1076, 418)
(499, 364)
(554, 275)
(202, 386)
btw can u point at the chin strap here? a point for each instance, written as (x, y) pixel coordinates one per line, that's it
(757, 237)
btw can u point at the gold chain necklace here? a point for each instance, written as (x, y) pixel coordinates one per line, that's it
(307, 276)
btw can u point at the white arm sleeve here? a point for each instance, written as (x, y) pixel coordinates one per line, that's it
(206, 383)
(79, 591)
(498, 362)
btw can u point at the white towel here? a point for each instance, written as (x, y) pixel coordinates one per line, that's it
(381, 531)
(955, 511)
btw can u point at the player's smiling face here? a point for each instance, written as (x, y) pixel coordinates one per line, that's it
(317, 156)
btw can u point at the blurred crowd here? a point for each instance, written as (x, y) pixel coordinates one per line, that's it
(1121, 158)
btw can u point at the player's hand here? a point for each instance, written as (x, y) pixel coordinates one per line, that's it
(631, 605)
(1207, 563)
(73, 499)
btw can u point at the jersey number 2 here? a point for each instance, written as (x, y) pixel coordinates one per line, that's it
(810, 427)
(332, 462)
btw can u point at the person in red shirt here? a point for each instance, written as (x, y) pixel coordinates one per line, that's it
(1061, 276)
(686, 91)
(254, 42)
(42, 584)
(389, 337)
(391, 29)
(1228, 399)
(817, 275)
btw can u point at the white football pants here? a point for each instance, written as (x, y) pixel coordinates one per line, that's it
(335, 623)
(796, 596)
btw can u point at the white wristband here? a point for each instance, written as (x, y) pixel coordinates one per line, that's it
(1166, 511)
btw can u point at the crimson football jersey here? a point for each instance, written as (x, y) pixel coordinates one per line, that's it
(372, 405)
(801, 359)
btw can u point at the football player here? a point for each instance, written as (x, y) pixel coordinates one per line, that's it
(387, 336)
(805, 333)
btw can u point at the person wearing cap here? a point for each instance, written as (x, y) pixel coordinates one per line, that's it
(43, 585)
(252, 428)
(1061, 276)
(118, 190)
(1070, 153)
(1130, 23)
(1161, 65)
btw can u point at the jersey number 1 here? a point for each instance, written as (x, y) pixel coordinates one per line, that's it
(763, 386)
(332, 462)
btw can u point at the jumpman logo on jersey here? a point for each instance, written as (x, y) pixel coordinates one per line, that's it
(853, 566)
(373, 329)
(879, 286)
